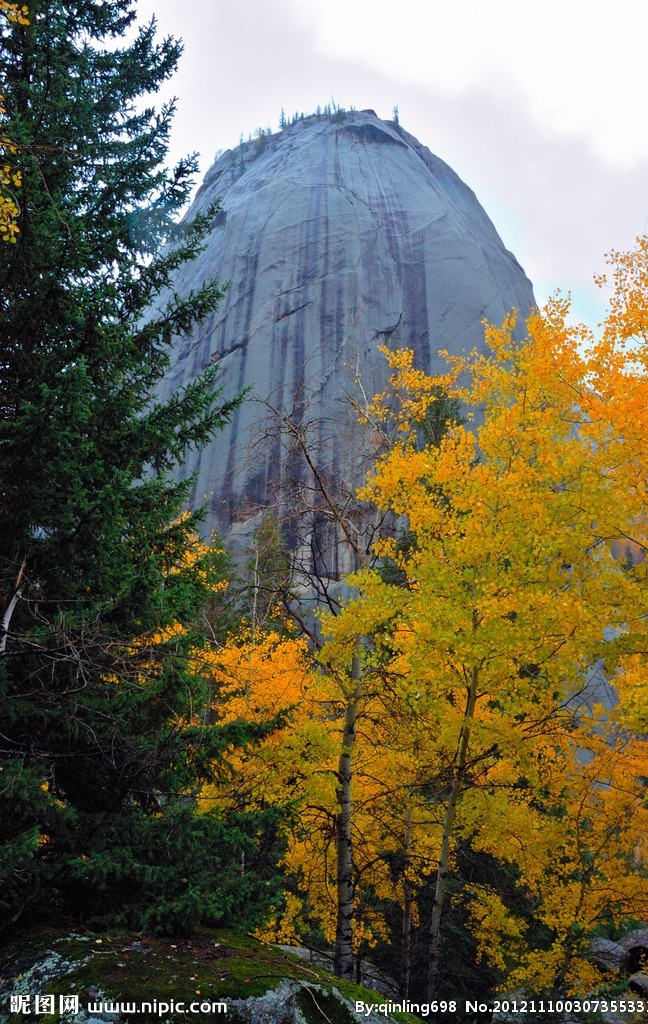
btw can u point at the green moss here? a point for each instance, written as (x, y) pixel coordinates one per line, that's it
(319, 1006)
(212, 965)
(205, 967)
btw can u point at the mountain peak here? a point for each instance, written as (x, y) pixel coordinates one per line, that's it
(339, 233)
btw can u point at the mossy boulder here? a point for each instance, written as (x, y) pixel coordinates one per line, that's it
(73, 978)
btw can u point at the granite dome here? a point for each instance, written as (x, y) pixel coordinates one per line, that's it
(338, 234)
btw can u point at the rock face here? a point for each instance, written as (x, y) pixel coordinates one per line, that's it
(608, 955)
(338, 234)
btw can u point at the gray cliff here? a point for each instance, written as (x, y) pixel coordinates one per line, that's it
(338, 234)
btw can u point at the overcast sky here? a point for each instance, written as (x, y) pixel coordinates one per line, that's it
(540, 108)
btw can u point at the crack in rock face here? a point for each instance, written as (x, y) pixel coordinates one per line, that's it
(338, 234)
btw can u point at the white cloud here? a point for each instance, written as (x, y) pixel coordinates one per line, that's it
(580, 68)
(539, 108)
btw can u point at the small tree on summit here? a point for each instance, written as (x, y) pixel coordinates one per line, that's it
(102, 738)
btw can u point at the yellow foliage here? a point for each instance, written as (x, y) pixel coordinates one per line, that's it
(491, 918)
(14, 12)
(9, 178)
(510, 595)
(473, 720)
(256, 678)
(287, 928)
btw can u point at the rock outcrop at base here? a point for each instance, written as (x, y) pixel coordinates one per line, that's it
(118, 978)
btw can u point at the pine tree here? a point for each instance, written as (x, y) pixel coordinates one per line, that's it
(103, 742)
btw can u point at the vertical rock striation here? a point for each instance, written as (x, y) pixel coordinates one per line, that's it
(338, 234)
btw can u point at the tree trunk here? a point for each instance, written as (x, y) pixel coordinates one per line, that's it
(343, 960)
(408, 903)
(444, 855)
(10, 607)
